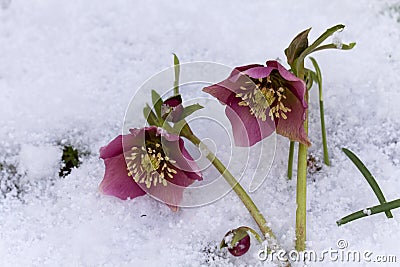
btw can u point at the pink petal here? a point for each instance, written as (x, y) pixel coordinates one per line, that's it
(117, 145)
(192, 171)
(116, 181)
(171, 194)
(247, 129)
(113, 149)
(258, 72)
(223, 90)
(220, 91)
(297, 86)
(239, 71)
(293, 126)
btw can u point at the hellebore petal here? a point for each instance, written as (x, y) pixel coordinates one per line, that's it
(260, 99)
(224, 89)
(247, 129)
(293, 126)
(114, 148)
(297, 85)
(116, 181)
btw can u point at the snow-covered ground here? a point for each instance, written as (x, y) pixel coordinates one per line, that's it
(68, 70)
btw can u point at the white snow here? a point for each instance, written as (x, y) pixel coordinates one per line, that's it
(68, 70)
(39, 162)
(367, 212)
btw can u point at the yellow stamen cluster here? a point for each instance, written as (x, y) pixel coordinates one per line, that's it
(265, 95)
(149, 165)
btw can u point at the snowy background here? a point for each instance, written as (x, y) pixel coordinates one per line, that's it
(68, 70)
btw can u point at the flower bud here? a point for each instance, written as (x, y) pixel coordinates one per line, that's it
(237, 241)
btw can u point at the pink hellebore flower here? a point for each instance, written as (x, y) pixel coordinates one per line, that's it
(261, 99)
(148, 160)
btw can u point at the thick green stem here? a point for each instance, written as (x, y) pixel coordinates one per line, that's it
(241, 193)
(290, 161)
(301, 193)
(301, 198)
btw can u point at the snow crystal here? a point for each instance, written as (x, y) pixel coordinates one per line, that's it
(337, 41)
(367, 212)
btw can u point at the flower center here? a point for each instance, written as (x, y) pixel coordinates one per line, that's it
(268, 93)
(149, 165)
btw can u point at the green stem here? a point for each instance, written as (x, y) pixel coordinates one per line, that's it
(321, 111)
(323, 131)
(290, 160)
(301, 189)
(370, 211)
(301, 198)
(241, 193)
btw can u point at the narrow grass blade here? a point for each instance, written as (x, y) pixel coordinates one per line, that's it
(386, 207)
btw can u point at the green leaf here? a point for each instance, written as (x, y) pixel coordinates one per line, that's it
(157, 102)
(149, 115)
(297, 46)
(177, 70)
(187, 111)
(386, 207)
(368, 176)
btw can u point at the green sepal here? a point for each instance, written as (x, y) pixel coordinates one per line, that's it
(187, 111)
(157, 102)
(149, 115)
